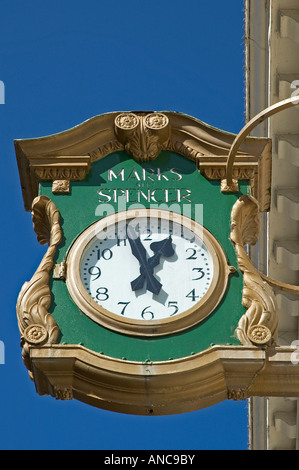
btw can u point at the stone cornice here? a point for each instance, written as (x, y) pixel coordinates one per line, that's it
(166, 387)
(67, 156)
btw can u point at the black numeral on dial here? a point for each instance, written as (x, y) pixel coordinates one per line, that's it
(192, 295)
(200, 274)
(105, 254)
(147, 314)
(174, 305)
(124, 308)
(193, 253)
(102, 294)
(95, 272)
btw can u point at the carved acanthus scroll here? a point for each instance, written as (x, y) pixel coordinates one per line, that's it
(258, 325)
(143, 137)
(36, 325)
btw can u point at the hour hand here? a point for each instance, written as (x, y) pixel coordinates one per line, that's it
(161, 248)
(146, 269)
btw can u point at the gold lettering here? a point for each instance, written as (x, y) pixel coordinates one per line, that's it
(116, 195)
(170, 193)
(172, 170)
(111, 174)
(133, 174)
(160, 175)
(132, 195)
(145, 176)
(136, 195)
(101, 193)
(185, 196)
(153, 195)
(141, 193)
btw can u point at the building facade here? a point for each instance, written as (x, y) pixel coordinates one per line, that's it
(272, 75)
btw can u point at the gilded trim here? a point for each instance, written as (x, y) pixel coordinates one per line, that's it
(166, 387)
(259, 324)
(68, 155)
(36, 325)
(143, 137)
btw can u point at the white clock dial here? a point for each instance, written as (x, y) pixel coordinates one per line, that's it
(148, 269)
(147, 272)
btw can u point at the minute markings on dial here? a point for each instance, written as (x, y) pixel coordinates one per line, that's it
(109, 262)
(147, 265)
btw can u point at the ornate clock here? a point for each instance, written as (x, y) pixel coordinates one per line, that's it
(147, 272)
(136, 311)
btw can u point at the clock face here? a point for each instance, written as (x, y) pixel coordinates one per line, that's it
(146, 269)
(146, 272)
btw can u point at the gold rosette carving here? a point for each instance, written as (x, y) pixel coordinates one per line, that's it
(143, 137)
(258, 325)
(36, 324)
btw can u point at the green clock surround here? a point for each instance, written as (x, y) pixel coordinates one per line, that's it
(100, 264)
(75, 327)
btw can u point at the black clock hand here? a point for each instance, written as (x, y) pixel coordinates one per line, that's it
(146, 274)
(161, 248)
(137, 248)
(146, 271)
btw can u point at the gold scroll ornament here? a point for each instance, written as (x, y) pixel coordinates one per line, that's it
(259, 324)
(143, 136)
(36, 324)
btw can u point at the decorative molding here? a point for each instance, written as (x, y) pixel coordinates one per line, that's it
(59, 271)
(237, 395)
(60, 167)
(104, 150)
(255, 169)
(289, 24)
(61, 186)
(184, 150)
(285, 422)
(36, 325)
(69, 154)
(143, 137)
(63, 393)
(259, 324)
(164, 387)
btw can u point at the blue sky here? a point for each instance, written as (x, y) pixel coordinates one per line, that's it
(63, 62)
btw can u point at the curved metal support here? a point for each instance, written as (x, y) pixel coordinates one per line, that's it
(260, 117)
(279, 285)
(230, 184)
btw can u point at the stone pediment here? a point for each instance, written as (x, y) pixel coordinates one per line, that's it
(68, 156)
